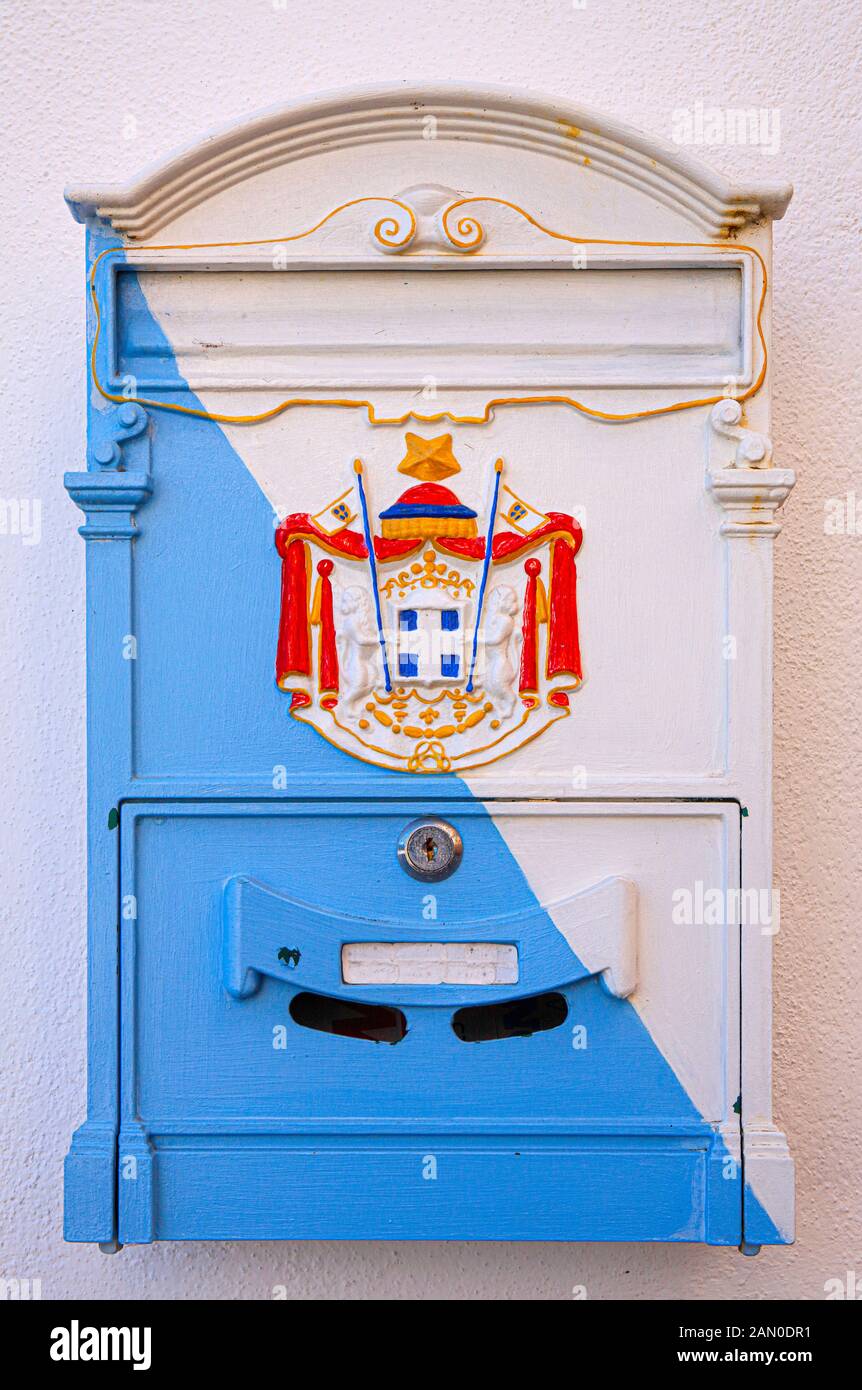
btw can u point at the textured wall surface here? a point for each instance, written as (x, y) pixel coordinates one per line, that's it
(95, 88)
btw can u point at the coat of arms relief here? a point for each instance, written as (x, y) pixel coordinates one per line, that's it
(429, 636)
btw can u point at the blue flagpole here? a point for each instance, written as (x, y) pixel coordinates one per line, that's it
(498, 469)
(372, 561)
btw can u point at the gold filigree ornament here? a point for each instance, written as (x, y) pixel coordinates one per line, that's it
(429, 757)
(432, 574)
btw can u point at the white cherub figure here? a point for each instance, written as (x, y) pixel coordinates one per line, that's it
(358, 646)
(501, 677)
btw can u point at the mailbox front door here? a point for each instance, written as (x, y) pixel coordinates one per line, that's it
(429, 513)
(318, 1044)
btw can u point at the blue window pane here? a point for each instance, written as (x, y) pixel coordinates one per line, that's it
(450, 666)
(408, 662)
(449, 619)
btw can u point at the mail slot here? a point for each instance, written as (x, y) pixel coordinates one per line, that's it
(429, 509)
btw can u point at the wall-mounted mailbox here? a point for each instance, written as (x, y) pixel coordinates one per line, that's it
(429, 516)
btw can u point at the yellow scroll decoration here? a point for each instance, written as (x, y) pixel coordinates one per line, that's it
(467, 237)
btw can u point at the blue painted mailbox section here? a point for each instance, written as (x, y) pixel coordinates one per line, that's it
(241, 1123)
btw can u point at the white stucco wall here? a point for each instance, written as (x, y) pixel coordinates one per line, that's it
(94, 87)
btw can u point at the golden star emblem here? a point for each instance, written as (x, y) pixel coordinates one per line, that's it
(429, 460)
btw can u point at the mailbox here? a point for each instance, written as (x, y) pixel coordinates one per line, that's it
(429, 508)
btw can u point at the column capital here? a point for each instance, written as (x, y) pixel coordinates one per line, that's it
(109, 492)
(746, 485)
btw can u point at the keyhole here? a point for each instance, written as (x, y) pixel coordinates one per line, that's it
(429, 849)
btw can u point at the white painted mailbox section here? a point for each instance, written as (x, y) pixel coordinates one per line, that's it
(558, 617)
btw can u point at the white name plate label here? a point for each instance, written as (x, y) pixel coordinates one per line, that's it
(429, 963)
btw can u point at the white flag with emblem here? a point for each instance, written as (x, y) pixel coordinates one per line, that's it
(519, 515)
(338, 514)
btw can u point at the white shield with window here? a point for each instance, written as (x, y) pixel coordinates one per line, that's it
(430, 639)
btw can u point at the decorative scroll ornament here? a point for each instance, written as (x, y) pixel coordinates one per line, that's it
(447, 635)
(753, 450)
(418, 223)
(747, 486)
(118, 480)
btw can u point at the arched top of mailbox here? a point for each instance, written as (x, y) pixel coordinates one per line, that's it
(371, 116)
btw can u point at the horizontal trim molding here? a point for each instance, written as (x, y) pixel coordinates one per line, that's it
(276, 329)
